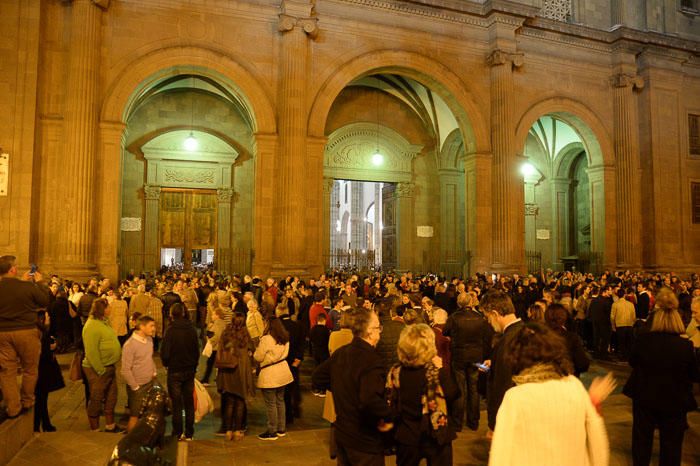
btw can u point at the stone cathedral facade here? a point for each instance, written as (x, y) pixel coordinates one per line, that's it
(503, 135)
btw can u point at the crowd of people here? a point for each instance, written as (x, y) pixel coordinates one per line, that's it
(402, 361)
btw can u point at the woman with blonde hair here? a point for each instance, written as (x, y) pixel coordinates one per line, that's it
(663, 372)
(420, 392)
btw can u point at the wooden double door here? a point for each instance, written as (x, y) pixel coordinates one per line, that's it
(188, 220)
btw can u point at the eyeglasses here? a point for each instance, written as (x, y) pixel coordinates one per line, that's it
(378, 327)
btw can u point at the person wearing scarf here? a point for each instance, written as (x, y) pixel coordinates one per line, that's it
(420, 392)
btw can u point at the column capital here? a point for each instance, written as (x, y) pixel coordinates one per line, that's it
(225, 194)
(620, 80)
(501, 57)
(298, 13)
(405, 189)
(531, 209)
(151, 192)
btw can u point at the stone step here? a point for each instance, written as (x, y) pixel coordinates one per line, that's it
(15, 434)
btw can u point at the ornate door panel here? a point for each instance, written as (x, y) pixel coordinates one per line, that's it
(389, 223)
(188, 220)
(201, 222)
(172, 219)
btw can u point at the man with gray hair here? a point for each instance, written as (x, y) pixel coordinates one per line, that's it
(356, 376)
(19, 339)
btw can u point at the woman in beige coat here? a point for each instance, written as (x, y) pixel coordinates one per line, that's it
(338, 339)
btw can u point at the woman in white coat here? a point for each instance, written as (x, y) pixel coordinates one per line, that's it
(548, 418)
(271, 354)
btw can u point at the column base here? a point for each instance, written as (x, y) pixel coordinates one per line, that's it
(78, 272)
(508, 269)
(304, 271)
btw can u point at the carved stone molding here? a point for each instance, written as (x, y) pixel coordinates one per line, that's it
(225, 194)
(328, 185)
(151, 193)
(405, 189)
(296, 13)
(531, 209)
(501, 57)
(626, 80)
(189, 175)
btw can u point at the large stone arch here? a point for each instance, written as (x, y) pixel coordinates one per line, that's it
(595, 136)
(599, 148)
(136, 76)
(462, 102)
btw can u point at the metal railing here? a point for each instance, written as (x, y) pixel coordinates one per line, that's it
(351, 259)
(533, 260)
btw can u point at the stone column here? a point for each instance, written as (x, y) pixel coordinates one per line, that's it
(560, 221)
(329, 216)
(629, 247)
(151, 252)
(223, 240)
(377, 220)
(297, 23)
(507, 235)
(108, 197)
(264, 212)
(478, 216)
(358, 236)
(75, 237)
(603, 226)
(406, 228)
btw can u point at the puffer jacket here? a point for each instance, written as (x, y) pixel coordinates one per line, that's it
(389, 341)
(274, 372)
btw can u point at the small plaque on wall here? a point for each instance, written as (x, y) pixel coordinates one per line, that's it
(4, 173)
(131, 224)
(425, 231)
(542, 234)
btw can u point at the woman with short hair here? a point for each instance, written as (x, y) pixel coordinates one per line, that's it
(663, 371)
(548, 417)
(420, 391)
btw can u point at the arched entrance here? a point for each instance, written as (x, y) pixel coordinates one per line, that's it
(392, 128)
(564, 186)
(187, 172)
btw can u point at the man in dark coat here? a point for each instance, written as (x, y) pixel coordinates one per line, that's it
(355, 375)
(169, 298)
(501, 314)
(599, 311)
(292, 394)
(180, 355)
(471, 337)
(392, 328)
(642, 306)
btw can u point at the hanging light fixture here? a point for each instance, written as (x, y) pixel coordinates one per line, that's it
(377, 157)
(191, 144)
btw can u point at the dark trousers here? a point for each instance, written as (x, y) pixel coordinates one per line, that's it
(436, 455)
(41, 411)
(624, 341)
(210, 367)
(351, 457)
(181, 388)
(467, 378)
(292, 397)
(671, 430)
(233, 412)
(601, 337)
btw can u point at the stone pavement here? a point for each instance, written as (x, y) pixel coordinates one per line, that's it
(307, 441)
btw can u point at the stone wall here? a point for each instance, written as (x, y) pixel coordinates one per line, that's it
(71, 72)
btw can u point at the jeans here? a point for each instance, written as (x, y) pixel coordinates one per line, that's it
(467, 378)
(435, 455)
(233, 412)
(24, 345)
(181, 389)
(601, 337)
(274, 402)
(671, 431)
(624, 341)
